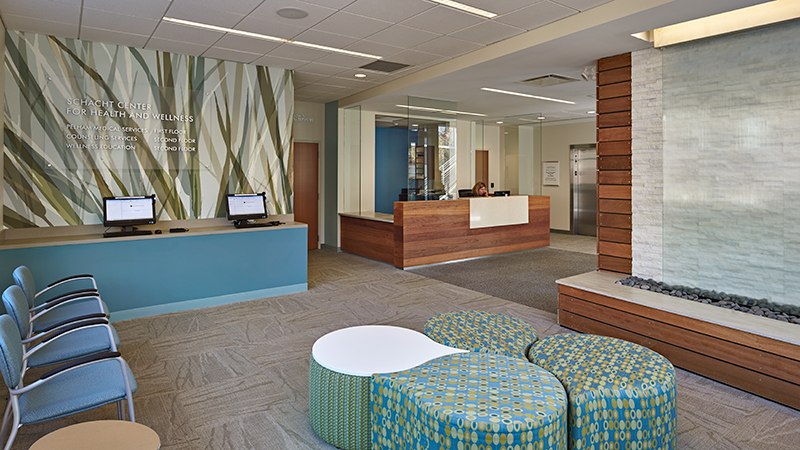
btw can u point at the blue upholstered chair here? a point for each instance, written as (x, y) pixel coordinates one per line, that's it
(63, 308)
(76, 340)
(78, 386)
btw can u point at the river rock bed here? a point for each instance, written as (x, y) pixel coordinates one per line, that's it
(756, 306)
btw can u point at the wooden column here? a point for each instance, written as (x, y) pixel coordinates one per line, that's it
(614, 164)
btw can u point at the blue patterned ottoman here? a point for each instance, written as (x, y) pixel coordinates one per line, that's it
(342, 364)
(469, 401)
(621, 395)
(481, 331)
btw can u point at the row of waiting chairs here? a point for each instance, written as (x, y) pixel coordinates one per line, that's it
(70, 331)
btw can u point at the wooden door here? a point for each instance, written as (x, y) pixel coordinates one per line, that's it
(306, 189)
(482, 167)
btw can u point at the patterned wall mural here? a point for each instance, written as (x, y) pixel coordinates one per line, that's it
(86, 120)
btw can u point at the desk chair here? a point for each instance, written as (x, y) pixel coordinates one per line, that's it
(75, 387)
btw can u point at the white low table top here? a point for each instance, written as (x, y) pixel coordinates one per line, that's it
(365, 350)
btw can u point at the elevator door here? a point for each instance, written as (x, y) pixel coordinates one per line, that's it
(584, 189)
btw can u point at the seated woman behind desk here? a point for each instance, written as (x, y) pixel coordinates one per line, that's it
(479, 190)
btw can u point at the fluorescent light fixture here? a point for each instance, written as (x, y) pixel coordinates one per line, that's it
(438, 110)
(466, 8)
(269, 38)
(540, 117)
(520, 94)
(591, 112)
(499, 121)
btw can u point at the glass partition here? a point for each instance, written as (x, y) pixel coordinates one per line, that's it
(431, 150)
(522, 149)
(351, 164)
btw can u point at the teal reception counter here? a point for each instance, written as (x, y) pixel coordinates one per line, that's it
(160, 273)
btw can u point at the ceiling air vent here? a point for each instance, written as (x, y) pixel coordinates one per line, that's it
(548, 80)
(383, 66)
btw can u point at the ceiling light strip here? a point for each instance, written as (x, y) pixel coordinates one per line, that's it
(466, 8)
(270, 38)
(438, 110)
(520, 94)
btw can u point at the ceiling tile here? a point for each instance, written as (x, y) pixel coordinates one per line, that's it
(95, 18)
(443, 20)
(415, 58)
(268, 10)
(338, 4)
(374, 48)
(173, 46)
(398, 12)
(535, 16)
(297, 52)
(113, 37)
(320, 69)
(352, 25)
(230, 55)
(274, 28)
(246, 44)
(44, 9)
(188, 11)
(173, 31)
(345, 61)
(402, 36)
(347, 82)
(503, 7)
(314, 36)
(24, 23)
(151, 9)
(371, 76)
(488, 32)
(241, 7)
(581, 5)
(283, 63)
(447, 46)
(308, 77)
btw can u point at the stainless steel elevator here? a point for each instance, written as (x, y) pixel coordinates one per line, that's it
(583, 187)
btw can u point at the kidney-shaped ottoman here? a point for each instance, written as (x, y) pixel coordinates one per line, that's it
(481, 331)
(469, 400)
(620, 394)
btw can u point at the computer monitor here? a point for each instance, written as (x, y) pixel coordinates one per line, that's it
(126, 212)
(245, 207)
(502, 193)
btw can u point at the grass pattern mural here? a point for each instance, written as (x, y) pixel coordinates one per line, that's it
(86, 120)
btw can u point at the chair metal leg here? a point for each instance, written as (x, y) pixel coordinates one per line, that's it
(6, 418)
(14, 428)
(120, 410)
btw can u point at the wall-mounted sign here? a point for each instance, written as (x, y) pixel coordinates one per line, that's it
(550, 173)
(302, 118)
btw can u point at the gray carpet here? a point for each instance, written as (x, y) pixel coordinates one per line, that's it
(527, 277)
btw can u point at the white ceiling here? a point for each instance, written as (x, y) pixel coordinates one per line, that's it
(452, 53)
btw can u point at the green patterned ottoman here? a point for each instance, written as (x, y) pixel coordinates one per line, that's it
(342, 364)
(621, 395)
(469, 401)
(481, 331)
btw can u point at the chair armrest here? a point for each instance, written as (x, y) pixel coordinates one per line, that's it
(72, 320)
(88, 292)
(68, 297)
(70, 278)
(73, 326)
(81, 361)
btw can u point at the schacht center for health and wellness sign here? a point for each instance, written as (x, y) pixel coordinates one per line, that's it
(86, 120)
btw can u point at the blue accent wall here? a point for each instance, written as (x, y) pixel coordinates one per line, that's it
(391, 166)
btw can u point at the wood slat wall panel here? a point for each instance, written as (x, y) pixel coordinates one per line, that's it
(613, 235)
(368, 238)
(613, 148)
(622, 162)
(614, 163)
(615, 206)
(614, 76)
(613, 105)
(760, 365)
(617, 119)
(613, 62)
(614, 90)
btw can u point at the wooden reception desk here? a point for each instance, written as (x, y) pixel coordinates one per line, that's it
(428, 232)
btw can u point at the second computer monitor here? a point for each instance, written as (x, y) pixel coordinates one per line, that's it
(244, 207)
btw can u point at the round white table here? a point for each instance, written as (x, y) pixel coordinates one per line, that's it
(342, 364)
(100, 435)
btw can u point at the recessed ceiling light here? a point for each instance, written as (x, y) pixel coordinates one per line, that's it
(540, 117)
(414, 124)
(466, 8)
(269, 38)
(438, 110)
(520, 94)
(292, 13)
(360, 75)
(591, 112)
(500, 121)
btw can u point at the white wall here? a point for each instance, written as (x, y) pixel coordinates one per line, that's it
(556, 140)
